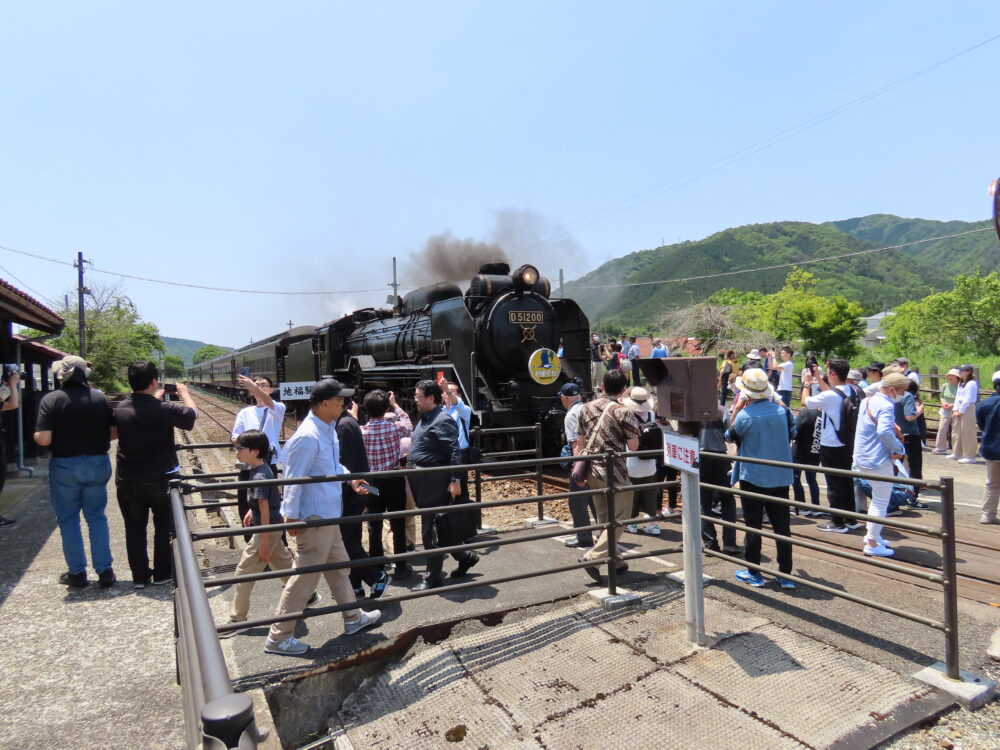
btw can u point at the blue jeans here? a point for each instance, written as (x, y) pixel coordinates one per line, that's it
(79, 483)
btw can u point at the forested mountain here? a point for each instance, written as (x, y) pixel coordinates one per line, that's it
(878, 281)
(184, 348)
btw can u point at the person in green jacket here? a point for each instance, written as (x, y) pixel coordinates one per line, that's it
(943, 444)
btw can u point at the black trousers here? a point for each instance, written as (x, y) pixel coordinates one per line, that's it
(138, 498)
(914, 458)
(391, 497)
(839, 490)
(753, 516)
(430, 492)
(354, 505)
(713, 471)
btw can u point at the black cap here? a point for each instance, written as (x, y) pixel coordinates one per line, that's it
(966, 368)
(328, 388)
(569, 389)
(877, 366)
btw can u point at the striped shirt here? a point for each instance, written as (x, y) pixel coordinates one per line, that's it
(382, 438)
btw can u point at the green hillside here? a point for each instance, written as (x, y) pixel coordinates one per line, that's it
(878, 281)
(184, 348)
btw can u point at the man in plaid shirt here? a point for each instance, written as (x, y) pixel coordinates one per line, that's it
(382, 435)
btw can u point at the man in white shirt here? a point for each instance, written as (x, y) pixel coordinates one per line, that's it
(785, 369)
(265, 415)
(314, 451)
(904, 363)
(833, 452)
(580, 508)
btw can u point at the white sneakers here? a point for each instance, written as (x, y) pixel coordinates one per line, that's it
(652, 529)
(366, 620)
(967, 461)
(879, 551)
(294, 647)
(288, 647)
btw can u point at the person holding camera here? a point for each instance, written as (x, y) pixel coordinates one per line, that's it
(147, 461)
(76, 423)
(267, 416)
(11, 396)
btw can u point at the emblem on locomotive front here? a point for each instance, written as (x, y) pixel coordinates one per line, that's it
(528, 334)
(544, 366)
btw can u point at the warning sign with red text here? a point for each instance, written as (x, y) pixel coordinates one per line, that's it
(680, 452)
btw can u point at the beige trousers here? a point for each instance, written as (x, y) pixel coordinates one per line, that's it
(623, 512)
(315, 546)
(991, 492)
(411, 521)
(944, 431)
(281, 559)
(963, 434)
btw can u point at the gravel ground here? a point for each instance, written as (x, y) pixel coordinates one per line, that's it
(958, 730)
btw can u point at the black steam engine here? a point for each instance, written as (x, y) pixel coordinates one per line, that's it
(500, 341)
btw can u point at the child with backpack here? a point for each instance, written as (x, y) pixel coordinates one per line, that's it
(253, 450)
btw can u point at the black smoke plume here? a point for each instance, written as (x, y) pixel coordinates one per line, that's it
(445, 257)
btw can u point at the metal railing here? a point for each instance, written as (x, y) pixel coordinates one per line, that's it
(212, 710)
(946, 533)
(477, 441)
(215, 717)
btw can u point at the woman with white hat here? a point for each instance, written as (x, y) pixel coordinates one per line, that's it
(643, 470)
(948, 392)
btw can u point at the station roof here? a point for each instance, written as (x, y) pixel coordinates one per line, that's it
(46, 352)
(18, 307)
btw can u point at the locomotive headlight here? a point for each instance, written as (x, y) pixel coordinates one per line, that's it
(525, 277)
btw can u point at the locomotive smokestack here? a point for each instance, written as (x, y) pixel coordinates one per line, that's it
(448, 258)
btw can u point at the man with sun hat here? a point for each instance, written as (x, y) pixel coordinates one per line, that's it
(763, 429)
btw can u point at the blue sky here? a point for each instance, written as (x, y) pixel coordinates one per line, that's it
(298, 146)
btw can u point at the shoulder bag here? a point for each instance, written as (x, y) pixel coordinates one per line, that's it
(581, 469)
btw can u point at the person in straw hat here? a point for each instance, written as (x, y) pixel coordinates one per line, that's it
(76, 424)
(643, 470)
(763, 429)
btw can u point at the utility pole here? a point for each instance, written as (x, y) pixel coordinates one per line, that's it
(395, 282)
(289, 326)
(80, 291)
(561, 296)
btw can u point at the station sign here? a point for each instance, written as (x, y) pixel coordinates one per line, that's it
(681, 452)
(296, 391)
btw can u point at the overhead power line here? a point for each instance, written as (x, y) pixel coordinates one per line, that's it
(185, 284)
(754, 148)
(779, 265)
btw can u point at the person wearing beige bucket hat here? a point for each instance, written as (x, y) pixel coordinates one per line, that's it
(643, 470)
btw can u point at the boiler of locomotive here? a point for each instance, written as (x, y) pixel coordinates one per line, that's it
(513, 318)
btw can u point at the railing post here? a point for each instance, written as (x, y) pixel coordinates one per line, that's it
(478, 477)
(694, 587)
(949, 569)
(612, 525)
(538, 470)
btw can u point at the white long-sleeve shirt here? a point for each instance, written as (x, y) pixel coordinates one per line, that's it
(967, 396)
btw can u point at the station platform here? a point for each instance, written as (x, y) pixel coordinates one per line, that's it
(515, 665)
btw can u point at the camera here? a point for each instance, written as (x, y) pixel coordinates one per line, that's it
(9, 370)
(170, 387)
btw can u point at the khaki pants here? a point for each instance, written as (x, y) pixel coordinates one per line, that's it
(596, 375)
(281, 559)
(623, 512)
(963, 434)
(944, 431)
(315, 546)
(991, 492)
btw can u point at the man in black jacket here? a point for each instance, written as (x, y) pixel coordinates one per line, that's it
(435, 443)
(147, 460)
(355, 459)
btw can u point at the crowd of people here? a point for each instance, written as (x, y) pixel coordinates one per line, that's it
(868, 420)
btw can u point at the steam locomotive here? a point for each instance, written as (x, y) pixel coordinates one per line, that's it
(507, 345)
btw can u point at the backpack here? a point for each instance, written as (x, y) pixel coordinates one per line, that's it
(850, 406)
(650, 436)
